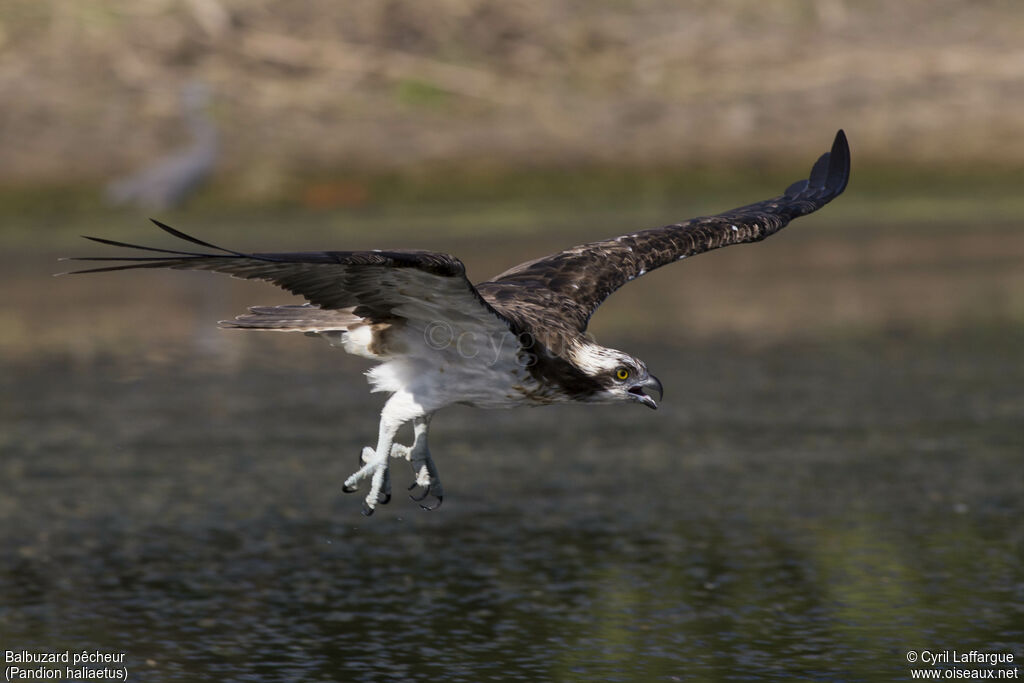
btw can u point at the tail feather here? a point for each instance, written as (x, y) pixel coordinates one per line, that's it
(294, 318)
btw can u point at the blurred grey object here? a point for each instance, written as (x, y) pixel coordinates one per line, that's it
(168, 182)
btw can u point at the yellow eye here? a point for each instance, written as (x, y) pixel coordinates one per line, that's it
(622, 374)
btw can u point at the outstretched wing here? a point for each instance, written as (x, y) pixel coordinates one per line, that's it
(574, 282)
(417, 287)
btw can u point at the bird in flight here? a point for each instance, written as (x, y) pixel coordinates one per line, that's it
(516, 340)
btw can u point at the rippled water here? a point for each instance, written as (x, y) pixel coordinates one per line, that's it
(838, 485)
(810, 512)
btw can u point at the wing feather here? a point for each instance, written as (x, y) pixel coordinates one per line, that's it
(377, 286)
(574, 282)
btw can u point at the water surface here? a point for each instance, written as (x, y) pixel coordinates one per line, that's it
(804, 506)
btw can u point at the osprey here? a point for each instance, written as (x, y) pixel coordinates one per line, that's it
(516, 340)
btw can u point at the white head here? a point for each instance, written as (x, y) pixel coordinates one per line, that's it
(621, 376)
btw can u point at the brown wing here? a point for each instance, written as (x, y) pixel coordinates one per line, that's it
(565, 289)
(378, 286)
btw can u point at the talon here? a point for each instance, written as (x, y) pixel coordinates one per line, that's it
(367, 510)
(431, 508)
(427, 491)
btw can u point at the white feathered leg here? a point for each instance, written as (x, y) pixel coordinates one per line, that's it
(399, 409)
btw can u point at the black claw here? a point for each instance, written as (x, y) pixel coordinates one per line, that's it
(367, 510)
(428, 490)
(431, 508)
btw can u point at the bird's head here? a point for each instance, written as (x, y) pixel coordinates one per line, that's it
(621, 376)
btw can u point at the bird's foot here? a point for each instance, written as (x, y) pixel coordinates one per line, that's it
(380, 478)
(429, 484)
(400, 451)
(426, 475)
(430, 494)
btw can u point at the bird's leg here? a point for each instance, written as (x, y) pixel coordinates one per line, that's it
(396, 412)
(365, 457)
(423, 466)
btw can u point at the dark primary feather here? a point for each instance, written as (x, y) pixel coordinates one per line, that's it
(373, 283)
(563, 290)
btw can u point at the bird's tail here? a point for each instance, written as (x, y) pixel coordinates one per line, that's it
(340, 327)
(294, 318)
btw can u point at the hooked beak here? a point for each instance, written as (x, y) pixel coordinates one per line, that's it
(642, 391)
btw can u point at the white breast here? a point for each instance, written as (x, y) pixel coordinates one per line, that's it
(445, 366)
